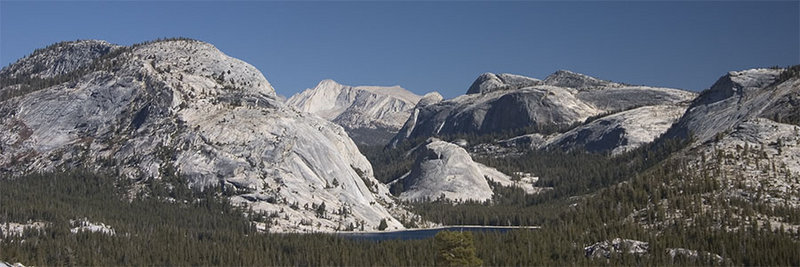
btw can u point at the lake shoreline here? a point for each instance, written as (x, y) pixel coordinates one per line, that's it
(442, 227)
(423, 233)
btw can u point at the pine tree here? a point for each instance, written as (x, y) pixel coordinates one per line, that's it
(383, 225)
(456, 249)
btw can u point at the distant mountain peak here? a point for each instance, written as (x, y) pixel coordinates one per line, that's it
(327, 83)
(570, 79)
(569, 74)
(370, 114)
(490, 82)
(430, 98)
(753, 77)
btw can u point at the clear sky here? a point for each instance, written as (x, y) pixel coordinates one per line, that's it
(441, 46)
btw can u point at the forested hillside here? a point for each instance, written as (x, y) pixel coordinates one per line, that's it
(208, 231)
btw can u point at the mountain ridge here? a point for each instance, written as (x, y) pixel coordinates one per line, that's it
(492, 106)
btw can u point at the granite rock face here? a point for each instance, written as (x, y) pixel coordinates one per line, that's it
(734, 98)
(569, 79)
(182, 107)
(490, 82)
(58, 59)
(619, 132)
(609, 248)
(446, 170)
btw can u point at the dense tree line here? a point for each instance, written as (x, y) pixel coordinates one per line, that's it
(160, 226)
(154, 228)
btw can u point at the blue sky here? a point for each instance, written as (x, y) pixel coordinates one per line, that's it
(437, 46)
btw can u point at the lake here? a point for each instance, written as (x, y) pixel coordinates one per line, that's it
(428, 232)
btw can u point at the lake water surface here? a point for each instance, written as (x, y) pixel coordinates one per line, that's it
(428, 232)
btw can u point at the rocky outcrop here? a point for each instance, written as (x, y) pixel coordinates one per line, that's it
(490, 82)
(693, 255)
(619, 132)
(87, 226)
(370, 114)
(182, 107)
(565, 78)
(429, 99)
(607, 249)
(749, 154)
(610, 248)
(614, 99)
(57, 59)
(11, 229)
(734, 98)
(496, 111)
(615, 133)
(444, 170)
(561, 100)
(8, 264)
